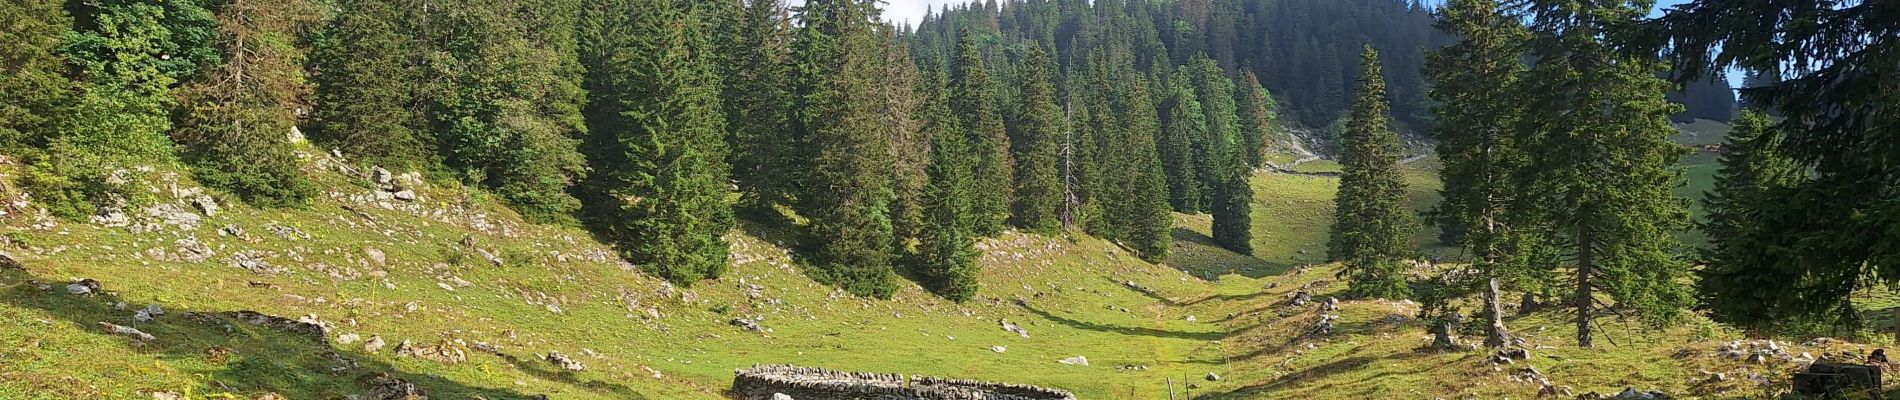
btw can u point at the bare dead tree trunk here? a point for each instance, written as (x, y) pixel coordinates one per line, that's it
(1497, 336)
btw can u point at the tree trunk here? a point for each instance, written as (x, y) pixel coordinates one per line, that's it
(1586, 266)
(1497, 336)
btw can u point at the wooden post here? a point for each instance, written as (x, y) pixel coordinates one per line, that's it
(1170, 388)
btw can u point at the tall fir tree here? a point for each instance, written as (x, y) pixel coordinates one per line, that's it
(659, 184)
(1179, 141)
(900, 83)
(369, 87)
(755, 102)
(1257, 118)
(836, 100)
(946, 253)
(1215, 149)
(236, 119)
(33, 74)
(1605, 168)
(1816, 67)
(1476, 86)
(1037, 148)
(506, 108)
(1143, 196)
(1753, 165)
(973, 99)
(1373, 223)
(1233, 206)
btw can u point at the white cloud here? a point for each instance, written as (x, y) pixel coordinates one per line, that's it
(898, 11)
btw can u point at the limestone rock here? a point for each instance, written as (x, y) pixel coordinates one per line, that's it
(442, 352)
(347, 338)
(385, 387)
(1077, 360)
(127, 331)
(376, 255)
(562, 361)
(1213, 377)
(111, 218)
(206, 205)
(999, 349)
(1018, 330)
(781, 396)
(374, 344)
(404, 195)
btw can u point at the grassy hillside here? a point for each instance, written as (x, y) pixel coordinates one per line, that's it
(454, 272)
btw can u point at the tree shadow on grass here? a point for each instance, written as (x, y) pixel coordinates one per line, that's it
(1125, 330)
(1198, 255)
(242, 358)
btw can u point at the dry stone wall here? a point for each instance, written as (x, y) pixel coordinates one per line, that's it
(763, 382)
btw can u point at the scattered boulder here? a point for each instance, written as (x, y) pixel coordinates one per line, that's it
(1331, 304)
(999, 349)
(206, 205)
(1213, 377)
(174, 215)
(747, 324)
(150, 312)
(781, 396)
(562, 361)
(382, 177)
(442, 352)
(1301, 298)
(1190, 318)
(111, 218)
(347, 338)
(374, 344)
(192, 251)
(375, 255)
(385, 387)
(127, 331)
(1077, 360)
(1325, 325)
(1018, 330)
(84, 287)
(404, 195)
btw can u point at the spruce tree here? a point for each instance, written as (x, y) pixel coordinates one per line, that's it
(1144, 194)
(1605, 168)
(946, 254)
(1215, 149)
(1256, 108)
(1824, 69)
(1038, 184)
(973, 99)
(659, 183)
(755, 102)
(1477, 89)
(836, 94)
(506, 108)
(1233, 207)
(910, 147)
(33, 79)
(1185, 128)
(1752, 165)
(1373, 222)
(368, 87)
(236, 117)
